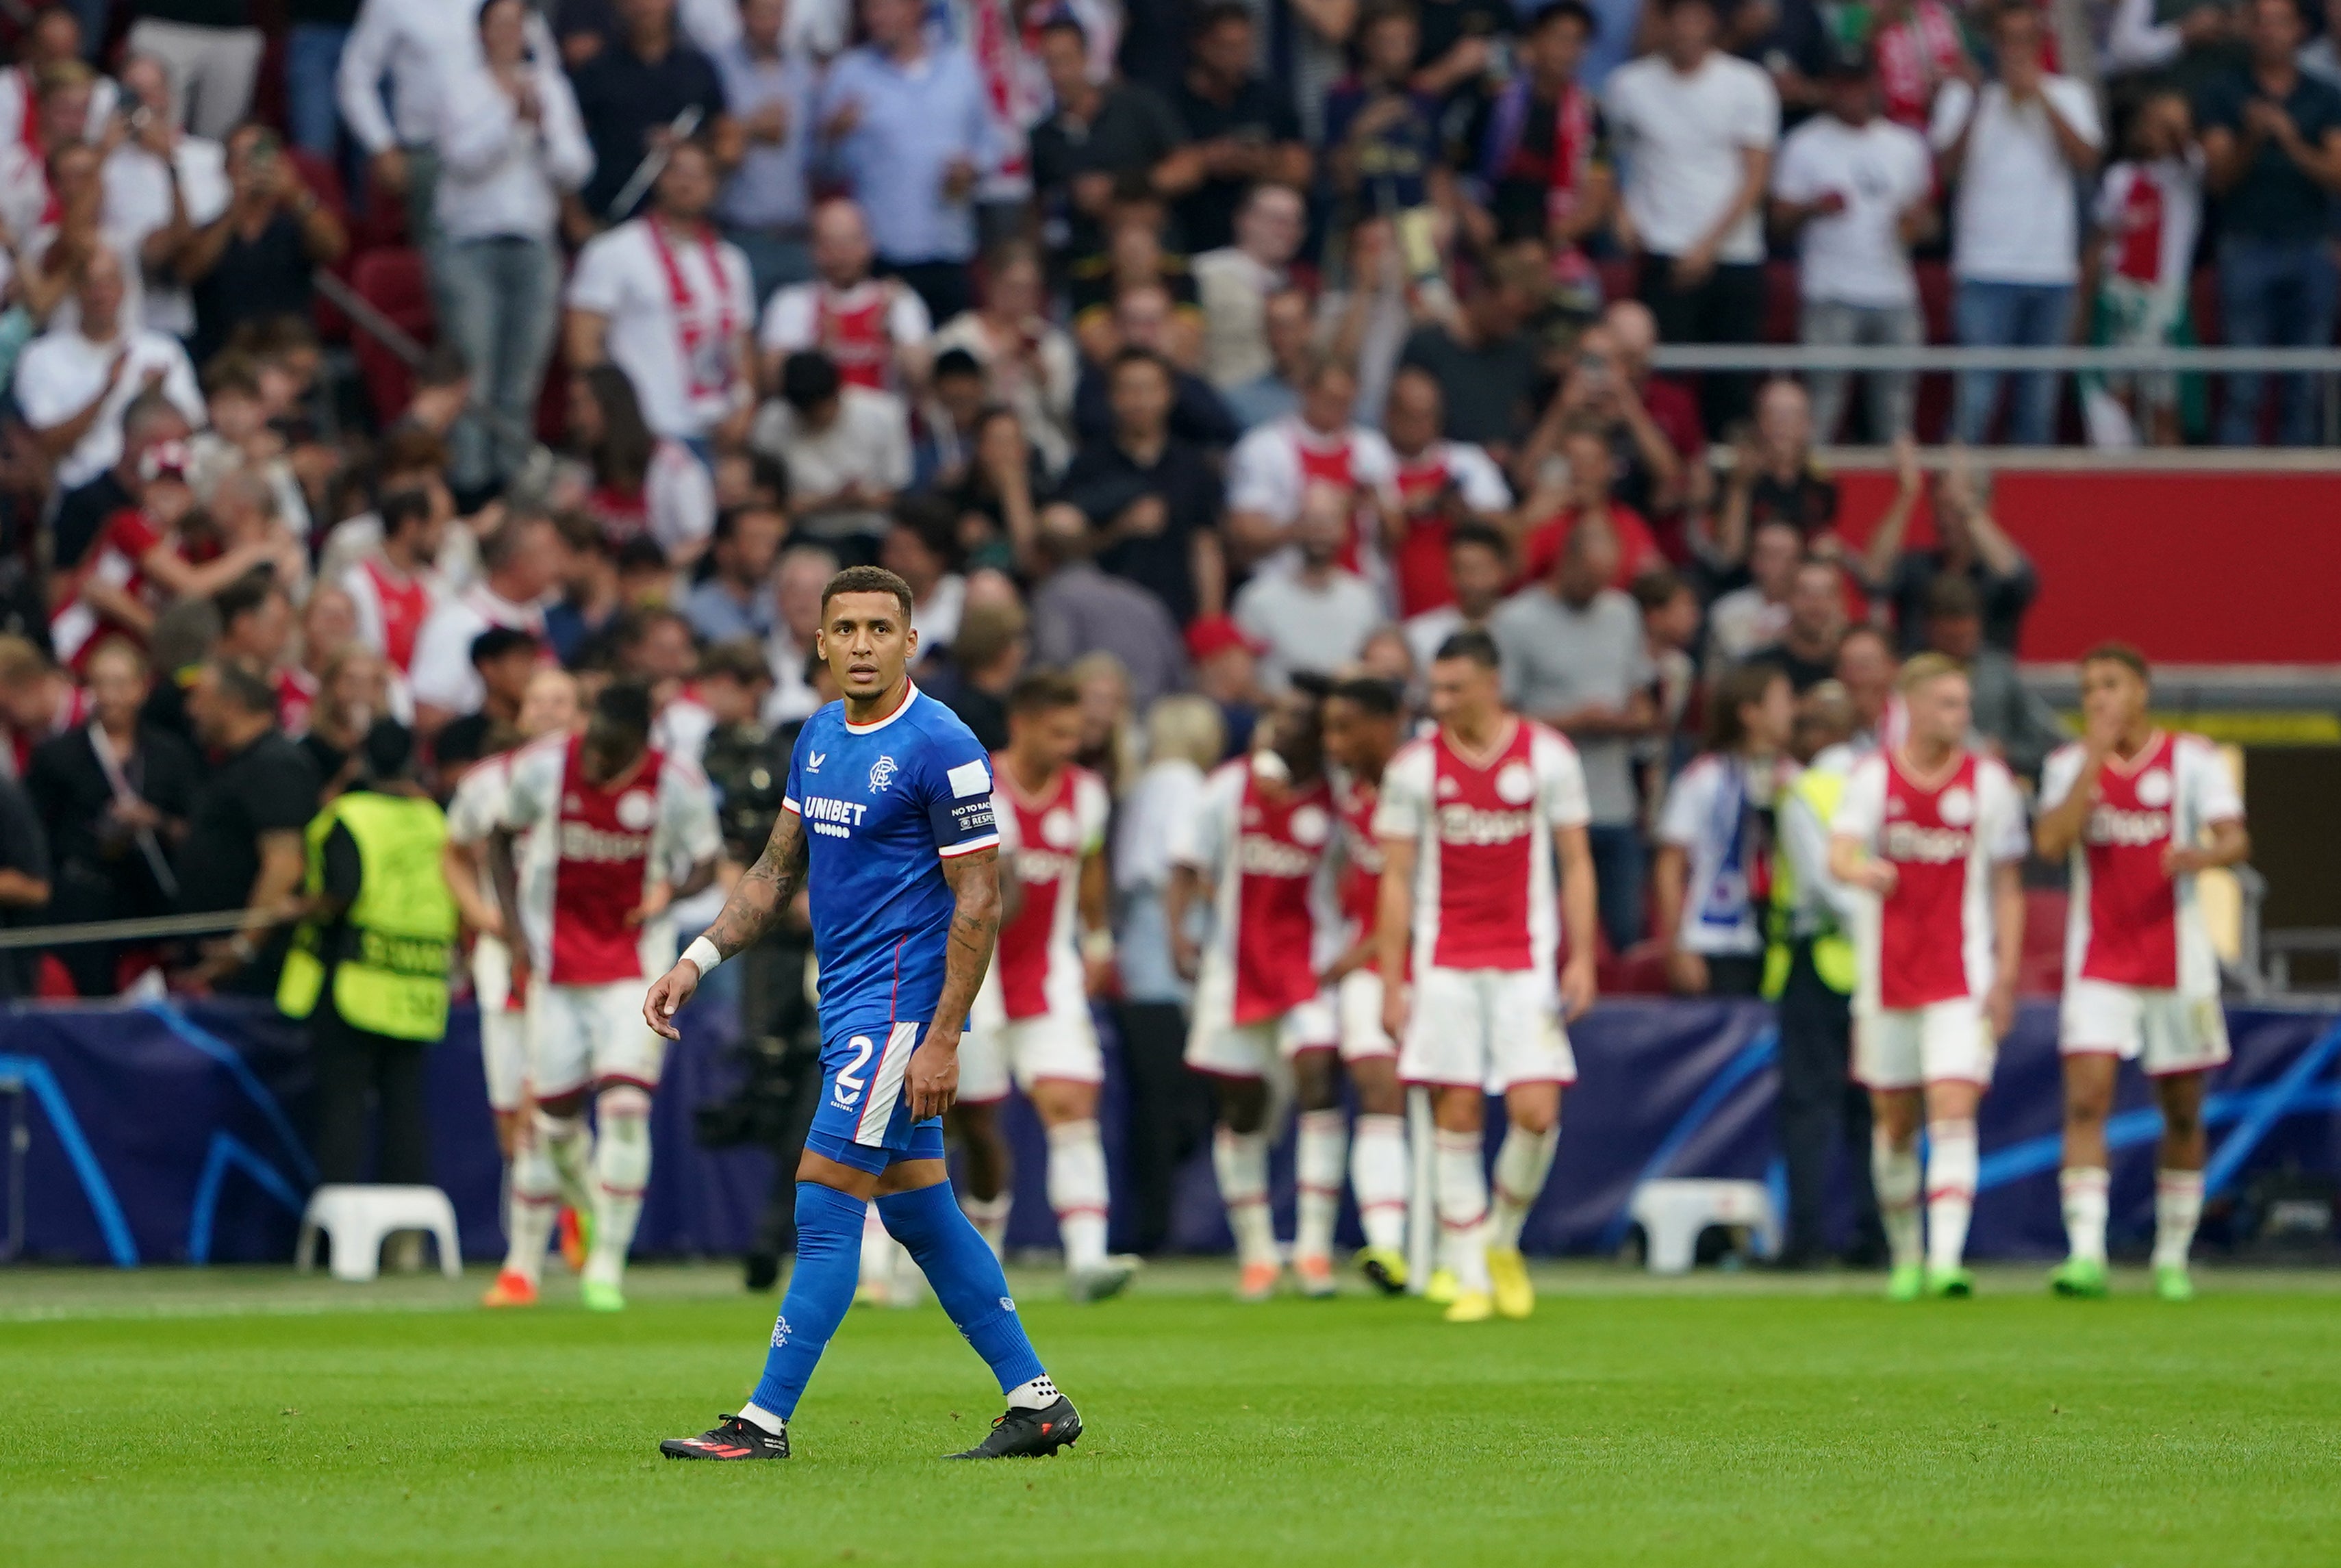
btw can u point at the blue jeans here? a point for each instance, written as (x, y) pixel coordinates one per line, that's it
(2273, 294)
(1619, 865)
(503, 298)
(2010, 316)
(313, 56)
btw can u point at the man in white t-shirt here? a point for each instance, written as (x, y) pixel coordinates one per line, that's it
(73, 384)
(666, 300)
(1695, 128)
(2015, 149)
(523, 561)
(847, 447)
(1273, 466)
(1858, 189)
(1316, 617)
(162, 184)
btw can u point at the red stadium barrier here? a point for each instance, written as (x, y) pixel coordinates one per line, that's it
(2200, 568)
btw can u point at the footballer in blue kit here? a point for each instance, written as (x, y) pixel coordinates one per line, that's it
(887, 824)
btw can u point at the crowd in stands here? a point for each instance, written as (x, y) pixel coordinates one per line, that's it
(1187, 345)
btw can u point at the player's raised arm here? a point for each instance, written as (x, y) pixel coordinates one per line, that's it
(932, 1079)
(755, 906)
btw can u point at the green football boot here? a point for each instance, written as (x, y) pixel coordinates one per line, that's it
(1954, 1283)
(2172, 1283)
(1906, 1283)
(600, 1295)
(2081, 1278)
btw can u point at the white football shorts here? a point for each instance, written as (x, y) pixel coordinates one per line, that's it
(2165, 1032)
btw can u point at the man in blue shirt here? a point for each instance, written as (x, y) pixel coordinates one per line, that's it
(903, 123)
(887, 822)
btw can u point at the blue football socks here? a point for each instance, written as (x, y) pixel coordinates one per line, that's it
(821, 1290)
(966, 1277)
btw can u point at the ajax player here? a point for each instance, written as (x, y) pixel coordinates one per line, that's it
(1032, 1015)
(2132, 805)
(1934, 834)
(549, 707)
(1471, 820)
(887, 824)
(605, 819)
(1362, 719)
(1258, 852)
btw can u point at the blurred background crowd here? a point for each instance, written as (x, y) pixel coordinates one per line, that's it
(1184, 347)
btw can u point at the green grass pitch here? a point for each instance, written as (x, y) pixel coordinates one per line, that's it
(248, 1416)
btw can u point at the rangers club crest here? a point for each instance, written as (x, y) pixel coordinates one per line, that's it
(881, 772)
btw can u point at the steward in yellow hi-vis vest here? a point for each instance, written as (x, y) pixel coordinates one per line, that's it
(1808, 976)
(369, 967)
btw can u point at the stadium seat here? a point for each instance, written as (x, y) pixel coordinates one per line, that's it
(356, 1219)
(1673, 1213)
(392, 281)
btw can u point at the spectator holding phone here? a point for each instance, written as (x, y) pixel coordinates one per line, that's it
(255, 259)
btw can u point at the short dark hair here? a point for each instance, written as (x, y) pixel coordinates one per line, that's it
(636, 623)
(1066, 22)
(387, 750)
(727, 521)
(642, 554)
(1135, 355)
(741, 659)
(401, 507)
(244, 687)
(497, 642)
(246, 595)
(866, 580)
(1376, 695)
(231, 373)
(1575, 11)
(1217, 14)
(935, 521)
(2122, 654)
(1044, 691)
(1656, 588)
(501, 546)
(1478, 535)
(404, 450)
(625, 705)
(807, 377)
(1476, 646)
(956, 362)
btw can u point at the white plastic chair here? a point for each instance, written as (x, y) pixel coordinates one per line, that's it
(1672, 1214)
(357, 1219)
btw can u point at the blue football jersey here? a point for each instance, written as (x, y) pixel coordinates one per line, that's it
(884, 806)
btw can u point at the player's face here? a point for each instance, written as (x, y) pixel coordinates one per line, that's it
(2111, 693)
(866, 642)
(1297, 735)
(1462, 691)
(1939, 710)
(1354, 738)
(1047, 739)
(551, 705)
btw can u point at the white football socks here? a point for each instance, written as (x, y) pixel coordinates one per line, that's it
(754, 1416)
(1951, 1158)
(2177, 1209)
(1038, 1395)
(1378, 1175)
(621, 1173)
(2082, 1189)
(990, 1218)
(568, 1142)
(1462, 1180)
(535, 1204)
(1894, 1174)
(1077, 1191)
(1240, 1161)
(1319, 1152)
(1522, 1163)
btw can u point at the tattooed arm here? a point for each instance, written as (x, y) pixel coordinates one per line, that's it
(757, 902)
(934, 1075)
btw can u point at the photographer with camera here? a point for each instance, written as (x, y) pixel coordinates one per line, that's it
(778, 1048)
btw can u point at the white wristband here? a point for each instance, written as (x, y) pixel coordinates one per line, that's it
(702, 952)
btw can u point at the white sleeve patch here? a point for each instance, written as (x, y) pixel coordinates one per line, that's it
(970, 778)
